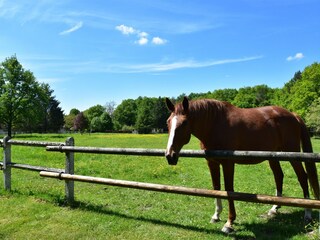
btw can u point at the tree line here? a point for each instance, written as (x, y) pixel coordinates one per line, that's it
(142, 115)
(27, 105)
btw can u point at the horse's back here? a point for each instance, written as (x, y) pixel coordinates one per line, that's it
(268, 128)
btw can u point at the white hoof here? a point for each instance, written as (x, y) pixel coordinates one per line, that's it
(272, 212)
(227, 229)
(215, 220)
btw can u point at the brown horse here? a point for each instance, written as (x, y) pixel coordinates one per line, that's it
(222, 126)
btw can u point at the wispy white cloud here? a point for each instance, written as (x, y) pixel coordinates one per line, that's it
(298, 56)
(76, 27)
(49, 11)
(72, 66)
(162, 67)
(24, 11)
(9, 9)
(143, 37)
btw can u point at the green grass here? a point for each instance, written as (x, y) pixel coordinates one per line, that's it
(35, 208)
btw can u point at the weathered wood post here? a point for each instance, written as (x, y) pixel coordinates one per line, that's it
(69, 168)
(6, 163)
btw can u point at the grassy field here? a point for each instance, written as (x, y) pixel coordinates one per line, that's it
(35, 208)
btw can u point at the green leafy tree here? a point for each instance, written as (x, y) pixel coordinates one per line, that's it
(249, 97)
(160, 114)
(74, 111)
(102, 123)
(145, 115)
(69, 119)
(305, 90)
(227, 94)
(35, 117)
(96, 125)
(245, 98)
(313, 117)
(95, 111)
(20, 95)
(192, 96)
(282, 96)
(106, 122)
(125, 114)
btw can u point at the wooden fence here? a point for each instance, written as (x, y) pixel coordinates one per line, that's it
(68, 175)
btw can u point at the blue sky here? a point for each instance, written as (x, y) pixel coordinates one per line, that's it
(94, 52)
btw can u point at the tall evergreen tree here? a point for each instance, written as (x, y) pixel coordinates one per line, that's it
(55, 116)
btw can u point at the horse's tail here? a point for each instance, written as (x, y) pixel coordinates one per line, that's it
(310, 166)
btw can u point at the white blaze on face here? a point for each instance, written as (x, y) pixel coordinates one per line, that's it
(172, 131)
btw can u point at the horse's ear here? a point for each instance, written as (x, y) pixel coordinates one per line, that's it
(185, 105)
(170, 105)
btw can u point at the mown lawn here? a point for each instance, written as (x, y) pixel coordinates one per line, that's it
(35, 209)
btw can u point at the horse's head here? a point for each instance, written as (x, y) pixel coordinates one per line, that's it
(179, 130)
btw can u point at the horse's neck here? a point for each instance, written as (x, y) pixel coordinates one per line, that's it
(203, 122)
(201, 133)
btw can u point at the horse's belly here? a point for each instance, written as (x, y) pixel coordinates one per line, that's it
(241, 161)
(248, 161)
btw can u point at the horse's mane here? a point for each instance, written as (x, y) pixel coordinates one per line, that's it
(203, 106)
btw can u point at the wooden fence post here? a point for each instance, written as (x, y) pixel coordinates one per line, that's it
(6, 163)
(69, 168)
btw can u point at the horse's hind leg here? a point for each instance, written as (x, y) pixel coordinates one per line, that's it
(278, 177)
(214, 168)
(228, 173)
(303, 180)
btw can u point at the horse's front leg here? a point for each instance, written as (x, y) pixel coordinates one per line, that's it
(214, 168)
(228, 172)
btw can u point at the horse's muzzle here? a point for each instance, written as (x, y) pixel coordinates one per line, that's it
(172, 158)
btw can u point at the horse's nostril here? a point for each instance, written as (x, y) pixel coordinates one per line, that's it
(172, 159)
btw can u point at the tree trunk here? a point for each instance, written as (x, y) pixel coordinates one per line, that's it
(9, 127)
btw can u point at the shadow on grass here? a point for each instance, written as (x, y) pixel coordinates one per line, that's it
(103, 210)
(285, 225)
(282, 226)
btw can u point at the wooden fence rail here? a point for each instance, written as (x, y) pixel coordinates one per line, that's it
(7, 142)
(247, 197)
(7, 163)
(67, 174)
(216, 154)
